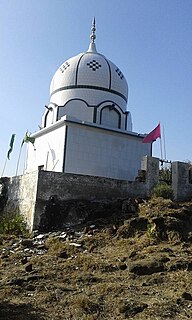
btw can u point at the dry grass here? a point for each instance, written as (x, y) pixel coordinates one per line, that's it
(93, 281)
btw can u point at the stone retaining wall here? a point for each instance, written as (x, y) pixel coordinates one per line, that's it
(42, 193)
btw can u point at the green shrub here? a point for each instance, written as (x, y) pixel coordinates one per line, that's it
(12, 223)
(165, 175)
(162, 190)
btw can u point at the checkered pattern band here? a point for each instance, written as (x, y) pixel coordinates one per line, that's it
(120, 74)
(64, 66)
(94, 65)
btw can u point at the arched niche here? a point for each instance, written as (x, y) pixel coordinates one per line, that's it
(76, 108)
(110, 117)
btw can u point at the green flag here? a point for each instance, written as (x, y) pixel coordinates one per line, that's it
(27, 138)
(11, 146)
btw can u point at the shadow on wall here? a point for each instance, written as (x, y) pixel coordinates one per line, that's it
(59, 214)
(3, 193)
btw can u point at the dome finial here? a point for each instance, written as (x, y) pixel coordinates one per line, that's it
(93, 29)
(92, 47)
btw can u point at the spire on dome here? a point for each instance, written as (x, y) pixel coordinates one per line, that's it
(92, 47)
(93, 29)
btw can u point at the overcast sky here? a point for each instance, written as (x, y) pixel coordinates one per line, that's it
(149, 40)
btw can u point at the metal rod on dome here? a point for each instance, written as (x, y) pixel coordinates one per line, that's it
(93, 29)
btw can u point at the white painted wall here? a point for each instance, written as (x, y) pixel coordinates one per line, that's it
(90, 150)
(49, 145)
(98, 152)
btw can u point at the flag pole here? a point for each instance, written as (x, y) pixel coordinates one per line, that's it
(160, 141)
(164, 143)
(4, 167)
(9, 151)
(161, 150)
(18, 159)
(26, 139)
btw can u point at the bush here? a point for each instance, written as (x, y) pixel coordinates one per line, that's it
(162, 190)
(165, 175)
(12, 223)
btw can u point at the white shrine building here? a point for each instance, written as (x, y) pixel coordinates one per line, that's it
(86, 127)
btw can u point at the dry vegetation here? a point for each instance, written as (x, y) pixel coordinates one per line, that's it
(109, 271)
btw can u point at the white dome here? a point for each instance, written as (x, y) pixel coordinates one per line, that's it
(91, 77)
(90, 88)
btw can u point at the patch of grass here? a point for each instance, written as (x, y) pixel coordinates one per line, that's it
(162, 190)
(86, 304)
(88, 308)
(151, 230)
(97, 240)
(156, 206)
(13, 224)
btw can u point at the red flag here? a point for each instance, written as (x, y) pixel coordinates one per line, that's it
(153, 135)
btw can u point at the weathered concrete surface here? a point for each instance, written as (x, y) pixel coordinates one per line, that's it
(21, 193)
(70, 198)
(150, 165)
(181, 181)
(68, 213)
(51, 198)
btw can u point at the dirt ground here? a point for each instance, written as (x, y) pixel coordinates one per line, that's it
(137, 267)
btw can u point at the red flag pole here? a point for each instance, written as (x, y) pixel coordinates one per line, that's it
(161, 150)
(164, 144)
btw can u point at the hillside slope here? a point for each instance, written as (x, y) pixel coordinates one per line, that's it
(133, 265)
